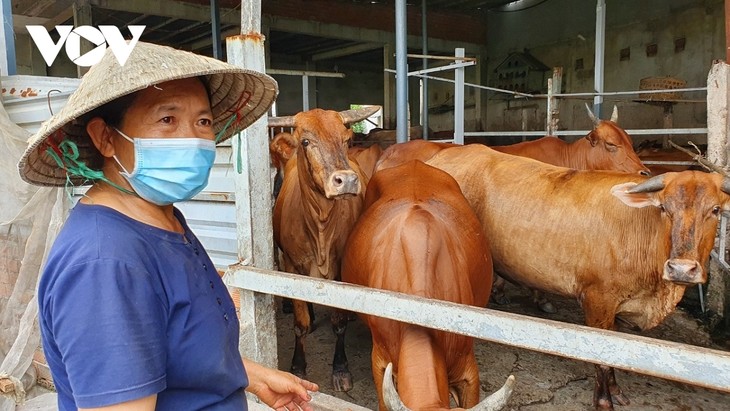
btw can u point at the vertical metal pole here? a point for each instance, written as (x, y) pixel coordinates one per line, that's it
(727, 31)
(555, 85)
(82, 17)
(459, 99)
(401, 72)
(388, 89)
(305, 93)
(215, 19)
(253, 199)
(600, 47)
(7, 40)
(549, 112)
(424, 81)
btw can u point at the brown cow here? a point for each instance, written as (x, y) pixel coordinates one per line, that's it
(319, 202)
(606, 147)
(418, 236)
(366, 158)
(624, 245)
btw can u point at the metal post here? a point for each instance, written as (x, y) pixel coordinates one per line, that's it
(549, 111)
(253, 199)
(305, 93)
(215, 19)
(7, 40)
(401, 70)
(82, 17)
(727, 31)
(600, 47)
(424, 81)
(718, 104)
(553, 103)
(459, 99)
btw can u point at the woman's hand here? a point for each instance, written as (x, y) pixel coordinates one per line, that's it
(279, 390)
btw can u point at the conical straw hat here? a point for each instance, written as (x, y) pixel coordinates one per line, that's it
(233, 92)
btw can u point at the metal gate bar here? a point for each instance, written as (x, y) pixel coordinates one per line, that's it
(674, 361)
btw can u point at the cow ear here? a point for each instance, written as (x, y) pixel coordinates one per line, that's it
(636, 200)
(592, 138)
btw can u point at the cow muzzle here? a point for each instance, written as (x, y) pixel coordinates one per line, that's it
(684, 272)
(342, 182)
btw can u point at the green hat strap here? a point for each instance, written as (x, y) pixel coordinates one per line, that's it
(66, 155)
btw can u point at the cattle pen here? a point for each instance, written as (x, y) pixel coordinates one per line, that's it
(673, 361)
(235, 224)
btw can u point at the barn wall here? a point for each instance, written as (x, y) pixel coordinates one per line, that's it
(567, 32)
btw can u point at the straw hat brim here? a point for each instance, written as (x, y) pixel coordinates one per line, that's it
(234, 91)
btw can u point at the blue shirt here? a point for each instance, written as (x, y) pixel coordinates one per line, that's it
(128, 310)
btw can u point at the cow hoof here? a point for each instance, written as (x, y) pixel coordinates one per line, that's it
(500, 299)
(620, 399)
(342, 381)
(603, 404)
(547, 307)
(287, 306)
(299, 371)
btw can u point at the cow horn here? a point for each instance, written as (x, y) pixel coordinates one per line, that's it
(287, 121)
(649, 186)
(725, 187)
(593, 117)
(498, 400)
(614, 115)
(359, 114)
(390, 394)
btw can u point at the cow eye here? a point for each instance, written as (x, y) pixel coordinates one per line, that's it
(716, 210)
(662, 209)
(611, 147)
(305, 142)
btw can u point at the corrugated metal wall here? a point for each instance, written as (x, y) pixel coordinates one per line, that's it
(211, 215)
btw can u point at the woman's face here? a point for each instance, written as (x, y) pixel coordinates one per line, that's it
(174, 109)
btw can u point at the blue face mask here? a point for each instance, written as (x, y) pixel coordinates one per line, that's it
(169, 170)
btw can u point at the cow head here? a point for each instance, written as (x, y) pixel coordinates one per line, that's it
(690, 203)
(494, 402)
(612, 148)
(321, 141)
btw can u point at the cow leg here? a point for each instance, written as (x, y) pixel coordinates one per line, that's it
(341, 377)
(617, 395)
(498, 295)
(542, 302)
(601, 313)
(466, 391)
(378, 362)
(601, 392)
(302, 324)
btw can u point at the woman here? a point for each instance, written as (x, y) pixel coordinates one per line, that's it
(133, 314)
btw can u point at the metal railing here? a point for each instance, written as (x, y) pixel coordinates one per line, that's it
(690, 364)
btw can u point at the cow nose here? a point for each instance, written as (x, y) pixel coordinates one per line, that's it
(645, 173)
(684, 271)
(342, 182)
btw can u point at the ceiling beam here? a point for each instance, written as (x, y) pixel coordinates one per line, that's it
(32, 8)
(208, 42)
(60, 18)
(358, 34)
(170, 9)
(346, 51)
